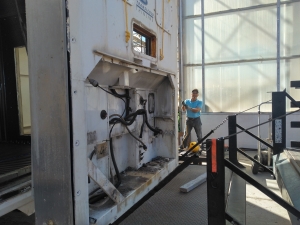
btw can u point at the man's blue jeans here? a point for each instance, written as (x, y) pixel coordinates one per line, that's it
(190, 124)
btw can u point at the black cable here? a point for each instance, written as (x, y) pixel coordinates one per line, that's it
(127, 123)
(123, 122)
(96, 84)
(115, 94)
(126, 95)
(119, 95)
(113, 159)
(127, 110)
(112, 94)
(133, 116)
(92, 154)
(137, 112)
(155, 130)
(142, 127)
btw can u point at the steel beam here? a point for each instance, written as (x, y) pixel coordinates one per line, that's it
(243, 61)
(240, 9)
(278, 45)
(203, 55)
(49, 91)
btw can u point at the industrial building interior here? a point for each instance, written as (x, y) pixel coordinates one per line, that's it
(237, 53)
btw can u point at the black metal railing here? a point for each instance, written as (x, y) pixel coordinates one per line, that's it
(233, 149)
(216, 184)
(216, 162)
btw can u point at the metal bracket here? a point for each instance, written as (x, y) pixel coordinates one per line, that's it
(96, 175)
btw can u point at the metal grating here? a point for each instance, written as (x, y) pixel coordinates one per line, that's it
(14, 157)
(170, 206)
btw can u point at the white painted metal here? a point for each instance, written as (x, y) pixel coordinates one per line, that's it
(104, 183)
(16, 202)
(22, 201)
(106, 31)
(107, 216)
(99, 51)
(28, 208)
(97, 48)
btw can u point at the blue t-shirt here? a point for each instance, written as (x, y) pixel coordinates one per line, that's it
(195, 104)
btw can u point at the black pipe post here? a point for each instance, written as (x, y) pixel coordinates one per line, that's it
(232, 142)
(215, 181)
(233, 139)
(278, 125)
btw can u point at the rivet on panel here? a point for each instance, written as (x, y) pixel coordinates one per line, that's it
(76, 142)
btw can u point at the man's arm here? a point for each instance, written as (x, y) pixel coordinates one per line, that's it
(184, 106)
(195, 110)
(192, 109)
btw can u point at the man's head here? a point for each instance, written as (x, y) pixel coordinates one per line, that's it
(195, 91)
(194, 94)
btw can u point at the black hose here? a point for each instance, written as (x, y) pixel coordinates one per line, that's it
(133, 116)
(118, 95)
(137, 112)
(113, 159)
(154, 129)
(142, 127)
(122, 121)
(126, 95)
(92, 154)
(116, 119)
(127, 104)
(96, 84)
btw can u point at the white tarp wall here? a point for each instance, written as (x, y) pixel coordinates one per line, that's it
(240, 53)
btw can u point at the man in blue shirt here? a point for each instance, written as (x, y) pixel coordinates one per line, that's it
(193, 107)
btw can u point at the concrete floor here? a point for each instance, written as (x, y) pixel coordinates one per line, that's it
(261, 210)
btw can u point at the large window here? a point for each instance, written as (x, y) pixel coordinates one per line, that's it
(240, 52)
